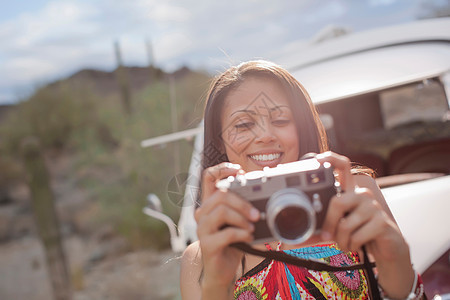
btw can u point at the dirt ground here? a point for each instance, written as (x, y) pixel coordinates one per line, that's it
(133, 275)
(100, 266)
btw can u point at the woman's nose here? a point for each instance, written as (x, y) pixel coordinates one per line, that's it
(265, 134)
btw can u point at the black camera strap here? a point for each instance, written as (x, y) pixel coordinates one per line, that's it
(367, 266)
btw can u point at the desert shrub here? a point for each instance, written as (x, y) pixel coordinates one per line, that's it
(104, 144)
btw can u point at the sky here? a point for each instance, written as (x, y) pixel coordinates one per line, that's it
(45, 40)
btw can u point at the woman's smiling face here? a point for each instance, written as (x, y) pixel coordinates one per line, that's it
(258, 128)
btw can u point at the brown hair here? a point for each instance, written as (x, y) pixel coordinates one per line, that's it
(312, 136)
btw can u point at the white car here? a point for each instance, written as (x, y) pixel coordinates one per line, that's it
(383, 96)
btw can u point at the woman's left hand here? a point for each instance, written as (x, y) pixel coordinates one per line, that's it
(356, 218)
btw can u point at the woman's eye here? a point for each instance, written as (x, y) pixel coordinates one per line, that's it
(245, 125)
(281, 122)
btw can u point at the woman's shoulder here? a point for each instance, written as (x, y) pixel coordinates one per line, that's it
(192, 257)
(365, 180)
(190, 271)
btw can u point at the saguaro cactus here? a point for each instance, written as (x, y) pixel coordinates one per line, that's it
(46, 218)
(122, 77)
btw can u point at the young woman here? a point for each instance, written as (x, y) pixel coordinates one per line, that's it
(258, 115)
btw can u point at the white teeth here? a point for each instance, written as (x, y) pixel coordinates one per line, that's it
(266, 157)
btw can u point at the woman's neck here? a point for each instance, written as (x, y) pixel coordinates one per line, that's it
(314, 240)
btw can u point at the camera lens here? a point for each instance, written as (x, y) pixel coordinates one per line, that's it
(292, 222)
(290, 216)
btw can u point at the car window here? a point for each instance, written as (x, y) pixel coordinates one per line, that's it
(423, 101)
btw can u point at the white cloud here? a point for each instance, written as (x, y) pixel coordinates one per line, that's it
(40, 45)
(57, 19)
(67, 35)
(172, 45)
(326, 13)
(169, 13)
(381, 2)
(28, 68)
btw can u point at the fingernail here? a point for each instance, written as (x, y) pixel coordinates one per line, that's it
(326, 236)
(233, 166)
(254, 214)
(252, 227)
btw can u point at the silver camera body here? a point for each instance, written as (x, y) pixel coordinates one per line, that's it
(292, 199)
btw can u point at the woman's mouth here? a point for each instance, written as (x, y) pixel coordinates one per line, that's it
(267, 159)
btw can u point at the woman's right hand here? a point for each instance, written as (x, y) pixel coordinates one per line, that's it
(219, 209)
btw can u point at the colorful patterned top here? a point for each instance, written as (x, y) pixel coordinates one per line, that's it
(276, 280)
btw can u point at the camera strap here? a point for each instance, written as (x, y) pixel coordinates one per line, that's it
(367, 266)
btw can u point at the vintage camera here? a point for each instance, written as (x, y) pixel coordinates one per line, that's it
(292, 198)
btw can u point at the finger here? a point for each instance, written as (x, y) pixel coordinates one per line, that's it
(352, 222)
(368, 232)
(339, 206)
(211, 175)
(233, 201)
(223, 216)
(197, 214)
(223, 238)
(342, 166)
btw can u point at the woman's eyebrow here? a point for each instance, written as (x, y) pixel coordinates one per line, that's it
(279, 107)
(248, 111)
